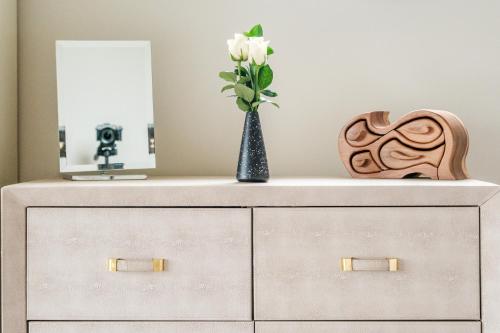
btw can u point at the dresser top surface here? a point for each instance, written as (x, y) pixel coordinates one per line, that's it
(226, 191)
(274, 182)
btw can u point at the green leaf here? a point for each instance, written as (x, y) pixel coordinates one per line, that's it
(228, 76)
(242, 104)
(255, 104)
(270, 50)
(243, 71)
(244, 92)
(265, 77)
(256, 31)
(229, 86)
(244, 79)
(269, 93)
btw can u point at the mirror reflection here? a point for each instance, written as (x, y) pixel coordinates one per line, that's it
(105, 105)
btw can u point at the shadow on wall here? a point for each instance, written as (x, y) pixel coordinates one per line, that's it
(8, 92)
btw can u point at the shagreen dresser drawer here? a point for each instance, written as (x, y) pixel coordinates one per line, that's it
(72, 252)
(365, 327)
(143, 327)
(419, 263)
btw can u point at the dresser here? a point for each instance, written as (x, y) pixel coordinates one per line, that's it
(209, 255)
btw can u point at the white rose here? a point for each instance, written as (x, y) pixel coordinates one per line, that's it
(238, 47)
(257, 50)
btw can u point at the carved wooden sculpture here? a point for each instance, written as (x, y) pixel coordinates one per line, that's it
(423, 143)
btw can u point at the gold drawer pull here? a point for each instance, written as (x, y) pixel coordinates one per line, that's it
(369, 264)
(136, 265)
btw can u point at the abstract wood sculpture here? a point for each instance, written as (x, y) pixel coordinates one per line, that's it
(424, 143)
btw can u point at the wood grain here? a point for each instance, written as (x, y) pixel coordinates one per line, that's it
(424, 143)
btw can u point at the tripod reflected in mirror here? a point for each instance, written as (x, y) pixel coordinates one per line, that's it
(107, 136)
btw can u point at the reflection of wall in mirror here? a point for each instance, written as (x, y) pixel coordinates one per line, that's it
(105, 82)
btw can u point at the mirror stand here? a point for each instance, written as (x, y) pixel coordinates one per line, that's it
(104, 176)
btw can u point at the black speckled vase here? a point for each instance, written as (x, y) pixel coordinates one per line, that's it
(252, 165)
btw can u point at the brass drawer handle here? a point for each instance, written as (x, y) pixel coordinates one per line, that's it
(136, 265)
(369, 264)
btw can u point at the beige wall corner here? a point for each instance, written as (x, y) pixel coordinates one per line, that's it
(8, 92)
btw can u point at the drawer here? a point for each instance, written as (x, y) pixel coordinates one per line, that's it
(141, 327)
(298, 276)
(207, 267)
(367, 327)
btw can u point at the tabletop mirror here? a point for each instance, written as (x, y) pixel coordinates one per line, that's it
(105, 108)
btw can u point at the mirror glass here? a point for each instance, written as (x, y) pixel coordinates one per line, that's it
(105, 105)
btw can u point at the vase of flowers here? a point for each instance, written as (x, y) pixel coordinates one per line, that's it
(249, 82)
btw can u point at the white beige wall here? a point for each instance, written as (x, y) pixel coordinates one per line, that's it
(334, 59)
(8, 92)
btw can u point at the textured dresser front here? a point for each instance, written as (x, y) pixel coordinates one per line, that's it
(435, 251)
(170, 256)
(145, 327)
(365, 327)
(206, 253)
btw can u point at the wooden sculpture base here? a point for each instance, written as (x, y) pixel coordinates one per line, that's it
(424, 143)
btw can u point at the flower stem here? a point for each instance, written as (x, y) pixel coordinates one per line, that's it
(239, 70)
(256, 86)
